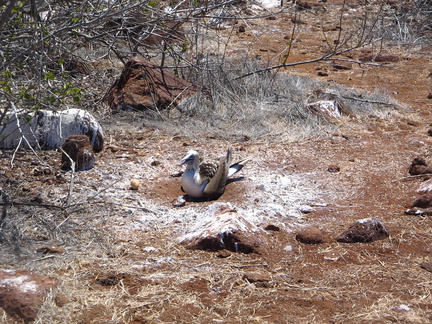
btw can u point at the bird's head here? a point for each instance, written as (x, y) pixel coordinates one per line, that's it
(191, 159)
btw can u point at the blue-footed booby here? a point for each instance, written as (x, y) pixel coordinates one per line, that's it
(207, 179)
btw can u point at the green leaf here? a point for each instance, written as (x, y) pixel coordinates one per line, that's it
(49, 76)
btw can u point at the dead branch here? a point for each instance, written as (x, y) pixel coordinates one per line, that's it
(319, 59)
(71, 184)
(414, 177)
(5, 203)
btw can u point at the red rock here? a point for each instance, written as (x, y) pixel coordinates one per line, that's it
(79, 149)
(363, 231)
(310, 235)
(22, 293)
(143, 85)
(427, 266)
(424, 201)
(223, 227)
(419, 166)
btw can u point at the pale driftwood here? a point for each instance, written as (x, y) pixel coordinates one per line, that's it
(48, 129)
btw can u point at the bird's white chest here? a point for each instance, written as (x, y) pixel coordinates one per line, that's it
(191, 183)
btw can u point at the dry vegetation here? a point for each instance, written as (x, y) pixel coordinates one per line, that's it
(123, 263)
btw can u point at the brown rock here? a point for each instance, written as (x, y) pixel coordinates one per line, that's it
(79, 149)
(329, 28)
(424, 201)
(310, 235)
(419, 166)
(61, 300)
(143, 85)
(224, 254)
(271, 227)
(50, 249)
(22, 293)
(363, 231)
(427, 266)
(380, 58)
(223, 227)
(259, 279)
(333, 168)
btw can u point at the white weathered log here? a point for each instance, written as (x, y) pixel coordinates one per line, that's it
(45, 129)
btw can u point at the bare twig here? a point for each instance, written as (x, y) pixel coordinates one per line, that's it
(322, 58)
(414, 177)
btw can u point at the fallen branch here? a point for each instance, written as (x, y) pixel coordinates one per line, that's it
(414, 177)
(5, 203)
(71, 184)
(319, 59)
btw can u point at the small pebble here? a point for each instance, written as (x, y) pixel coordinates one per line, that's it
(134, 184)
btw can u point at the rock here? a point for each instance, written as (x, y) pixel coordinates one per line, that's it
(305, 209)
(401, 308)
(224, 227)
(143, 85)
(333, 168)
(425, 187)
(224, 254)
(325, 104)
(22, 293)
(110, 280)
(382, 58)
(328, 109)
(263, 187)
(427, 266)
(179, 202)
(61, 300)
(363, 231)
(419, 166)
(50, 249)
(259, 279)
(134, 184)
(310, 235)
(271, 227)
(79, 149)
(48, 130)
(424, 201)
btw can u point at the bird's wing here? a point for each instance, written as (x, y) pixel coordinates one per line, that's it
(216, 185)
(208, 169)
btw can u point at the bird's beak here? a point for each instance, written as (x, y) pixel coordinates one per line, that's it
(185, 160)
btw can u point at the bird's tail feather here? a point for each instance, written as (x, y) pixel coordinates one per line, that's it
(236, 167)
